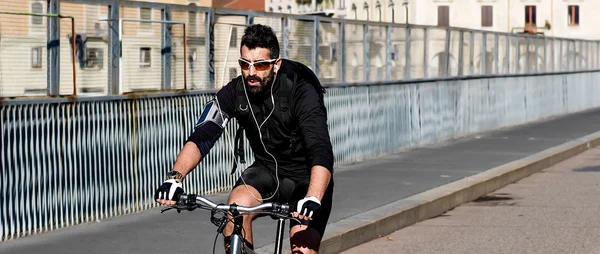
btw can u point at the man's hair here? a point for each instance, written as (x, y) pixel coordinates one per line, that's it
(261, 36)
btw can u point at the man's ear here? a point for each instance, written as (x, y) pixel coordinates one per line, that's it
(277, 64)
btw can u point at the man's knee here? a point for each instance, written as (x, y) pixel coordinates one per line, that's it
(304, 239)
(244, 195)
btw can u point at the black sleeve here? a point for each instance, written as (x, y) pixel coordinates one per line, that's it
(205, 136)
(312, 119)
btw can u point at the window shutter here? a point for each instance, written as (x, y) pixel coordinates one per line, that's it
(443, 16)
(487, 16)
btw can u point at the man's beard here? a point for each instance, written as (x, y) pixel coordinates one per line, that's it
(264, 84)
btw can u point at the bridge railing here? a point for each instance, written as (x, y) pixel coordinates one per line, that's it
(149, 56)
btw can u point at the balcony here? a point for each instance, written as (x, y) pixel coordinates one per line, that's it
(319, 7)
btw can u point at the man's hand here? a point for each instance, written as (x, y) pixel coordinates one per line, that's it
(168, 192)
(306, 208)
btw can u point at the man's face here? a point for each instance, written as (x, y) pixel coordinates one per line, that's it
(260, 80)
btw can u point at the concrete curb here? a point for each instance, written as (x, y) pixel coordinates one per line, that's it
(352, 231)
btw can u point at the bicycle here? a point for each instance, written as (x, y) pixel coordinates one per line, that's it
(219, 218)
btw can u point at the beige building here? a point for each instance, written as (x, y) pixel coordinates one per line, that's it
(568, 18)
(23, 48)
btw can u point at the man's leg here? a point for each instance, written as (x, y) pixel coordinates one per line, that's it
(247, 192)
(241, 196)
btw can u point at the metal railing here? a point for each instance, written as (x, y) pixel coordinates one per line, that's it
(339, 51)
(67, 162)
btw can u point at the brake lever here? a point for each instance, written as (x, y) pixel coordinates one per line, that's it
(296, 219)
(169, 208)
(179, 208)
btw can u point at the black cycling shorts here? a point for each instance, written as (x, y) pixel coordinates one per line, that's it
(264, 181)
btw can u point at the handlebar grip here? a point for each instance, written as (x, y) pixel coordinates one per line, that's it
(186, 199)
(180, 199)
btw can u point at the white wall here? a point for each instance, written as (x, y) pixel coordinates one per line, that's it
(507, 14)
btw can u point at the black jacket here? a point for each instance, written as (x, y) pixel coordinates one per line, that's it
(296, 132)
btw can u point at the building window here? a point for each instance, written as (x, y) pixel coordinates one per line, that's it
(233, 39)
(573, 15)
(443, 16)
(145, 60)
(146, 14)
(487, 16)
(95, 59)
(530, 15)
(37, 7)
(36, 57)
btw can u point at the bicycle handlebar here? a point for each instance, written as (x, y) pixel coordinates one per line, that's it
(191, 199)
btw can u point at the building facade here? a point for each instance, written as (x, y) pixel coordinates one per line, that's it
(566, 18)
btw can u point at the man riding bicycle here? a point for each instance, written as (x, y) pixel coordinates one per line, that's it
(279, 105)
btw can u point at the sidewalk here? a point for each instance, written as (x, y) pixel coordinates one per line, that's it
(359, 188)
(553, 211)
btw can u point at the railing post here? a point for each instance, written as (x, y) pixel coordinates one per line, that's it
(286, 36)
(426, 52)
(581, 47)
(496, 54)
(389, 48)
(507, 60)
(536, 42)
(447, 53)
(408, 55)
(114, 49)
(588, 55)
(166, 50)
(471, 53)
(366, 59)
(518, 53)
(545, 69)
(553, 54)
(461, 52)
(573, 54)
(560, 56)
(483, 58)
(53, 49)
(597, 55)
(343, 51)
(210, 49)
(527, 56)
(249, 19)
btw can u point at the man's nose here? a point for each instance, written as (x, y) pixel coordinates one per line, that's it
(252, 70)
